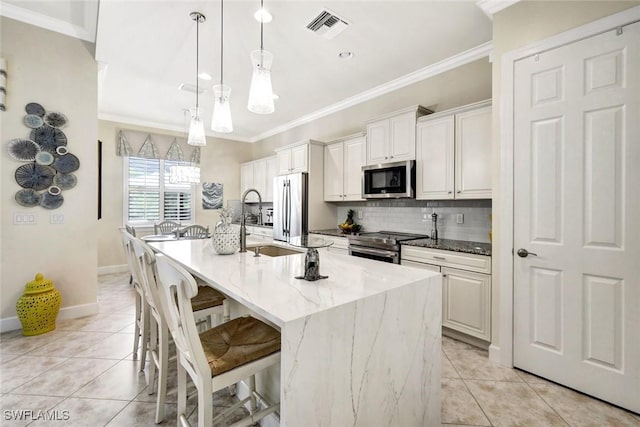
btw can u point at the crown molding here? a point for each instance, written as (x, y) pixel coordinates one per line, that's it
(86, 32)
(473, 54)
(491, 7)
(163, 126)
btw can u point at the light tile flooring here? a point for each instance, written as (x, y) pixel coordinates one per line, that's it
(84, 374)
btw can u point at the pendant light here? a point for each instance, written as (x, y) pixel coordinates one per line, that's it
(196, 128)
(261, 92)
(221, 119)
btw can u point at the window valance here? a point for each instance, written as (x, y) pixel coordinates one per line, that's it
(148, 146)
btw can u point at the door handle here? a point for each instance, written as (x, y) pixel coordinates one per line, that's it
(523, 253)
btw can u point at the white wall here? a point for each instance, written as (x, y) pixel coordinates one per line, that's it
(522, 24)
(219, 161)
(58, 72)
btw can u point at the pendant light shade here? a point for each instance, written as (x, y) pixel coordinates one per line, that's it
(196, 129)
(221, 120)
(196, 126)
(261, 92)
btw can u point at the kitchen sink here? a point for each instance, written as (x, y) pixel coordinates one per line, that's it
(272, 250)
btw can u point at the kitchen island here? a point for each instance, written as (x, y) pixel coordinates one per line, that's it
(361, 348)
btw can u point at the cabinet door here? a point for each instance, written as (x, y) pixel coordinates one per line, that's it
(473, 154)
(434, 159)
(246, 181)
(284, 162)
(272, 172)
(354, 154)
(333, 172)
(377, 142)
(260, 178)
(402, 137)
(300, 158)
(466, 302)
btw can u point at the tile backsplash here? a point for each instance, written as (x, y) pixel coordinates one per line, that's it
(414, 216)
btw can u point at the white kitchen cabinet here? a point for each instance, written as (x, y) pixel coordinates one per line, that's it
(343, 163)
(258, 174)
(453, 154)
(392, 138)
(340, 244)
(466, 287)
(293, 159)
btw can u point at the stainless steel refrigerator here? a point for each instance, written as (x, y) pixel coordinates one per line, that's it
(290, 206)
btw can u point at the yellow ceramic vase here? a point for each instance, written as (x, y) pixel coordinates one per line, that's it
(38, 307)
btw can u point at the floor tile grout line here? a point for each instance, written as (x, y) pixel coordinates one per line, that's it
(548, 404)
(464, 381)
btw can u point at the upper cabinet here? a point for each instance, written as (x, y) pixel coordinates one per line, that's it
(343, 161)
(293, 159)
(392, 138)
(453, 154)
(258, 174)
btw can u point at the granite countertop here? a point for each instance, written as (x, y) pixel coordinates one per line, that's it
(330, 232)
(477, 248)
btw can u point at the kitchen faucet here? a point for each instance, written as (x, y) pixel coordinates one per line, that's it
(243, 227)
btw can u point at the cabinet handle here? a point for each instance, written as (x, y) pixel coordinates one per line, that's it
(385, 157)
(391, 157)
(441, 258)
(444, 275)
(449, 192)
(458, 191)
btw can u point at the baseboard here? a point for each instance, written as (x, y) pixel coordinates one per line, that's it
(271, 420)
(111, 269)
(13, 323)
(494, 354)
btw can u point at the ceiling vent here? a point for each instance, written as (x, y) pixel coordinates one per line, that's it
(327, 24)
(188, 87)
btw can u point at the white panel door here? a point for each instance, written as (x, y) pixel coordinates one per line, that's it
(577, 207)
(473, 154)
(434, 159)
(246, 181)
(284, 162)
(272, 172)
(402, 137)
(333, 172)
(354, 154)
(260, 178)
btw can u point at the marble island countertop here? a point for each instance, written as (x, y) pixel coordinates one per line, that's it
(268, 285)
(477, 248)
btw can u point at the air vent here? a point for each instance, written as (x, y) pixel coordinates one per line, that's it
(327, 24)
(188, 87)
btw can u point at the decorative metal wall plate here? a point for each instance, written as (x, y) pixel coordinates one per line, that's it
(24, 150)
(33, 175)
(67, 163)
(35, 108)
(66, 181)
(51, 201)
(44, 158)
(28, 197)
(49, 138)
(56, 120)
(33, 121)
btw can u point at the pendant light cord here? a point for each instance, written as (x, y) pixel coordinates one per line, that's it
(197, 59)
(261, 26)
(221, 40)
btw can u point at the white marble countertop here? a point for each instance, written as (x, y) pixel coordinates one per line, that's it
(267, 284)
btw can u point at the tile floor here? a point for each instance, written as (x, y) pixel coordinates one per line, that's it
(84, 374)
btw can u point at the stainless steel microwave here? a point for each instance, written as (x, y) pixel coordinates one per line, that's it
(389, 180)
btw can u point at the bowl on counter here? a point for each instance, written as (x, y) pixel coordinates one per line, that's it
(349, 228)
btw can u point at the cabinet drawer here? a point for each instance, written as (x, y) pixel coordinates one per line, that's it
(421, 265)
(338, 242)
(470, 262)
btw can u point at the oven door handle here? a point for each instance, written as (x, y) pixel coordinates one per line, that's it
(378, 252)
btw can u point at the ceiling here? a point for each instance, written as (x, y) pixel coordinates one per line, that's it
(147, 48)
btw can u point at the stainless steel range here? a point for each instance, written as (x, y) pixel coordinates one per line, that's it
(382, 245)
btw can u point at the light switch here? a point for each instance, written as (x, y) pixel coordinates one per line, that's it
(57, 218)
(360, 214)
(460, 218)
(20, 218)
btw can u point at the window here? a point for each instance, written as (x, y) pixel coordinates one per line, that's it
(150, 197)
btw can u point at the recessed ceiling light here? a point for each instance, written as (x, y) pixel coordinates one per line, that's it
(263, 15)
(275, 96)
(204, 76)
(345, 55)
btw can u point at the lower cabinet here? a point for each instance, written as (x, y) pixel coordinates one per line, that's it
(466, 289)
(340, 244)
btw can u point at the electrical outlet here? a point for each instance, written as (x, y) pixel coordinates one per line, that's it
(460, 219)
(360, 214)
